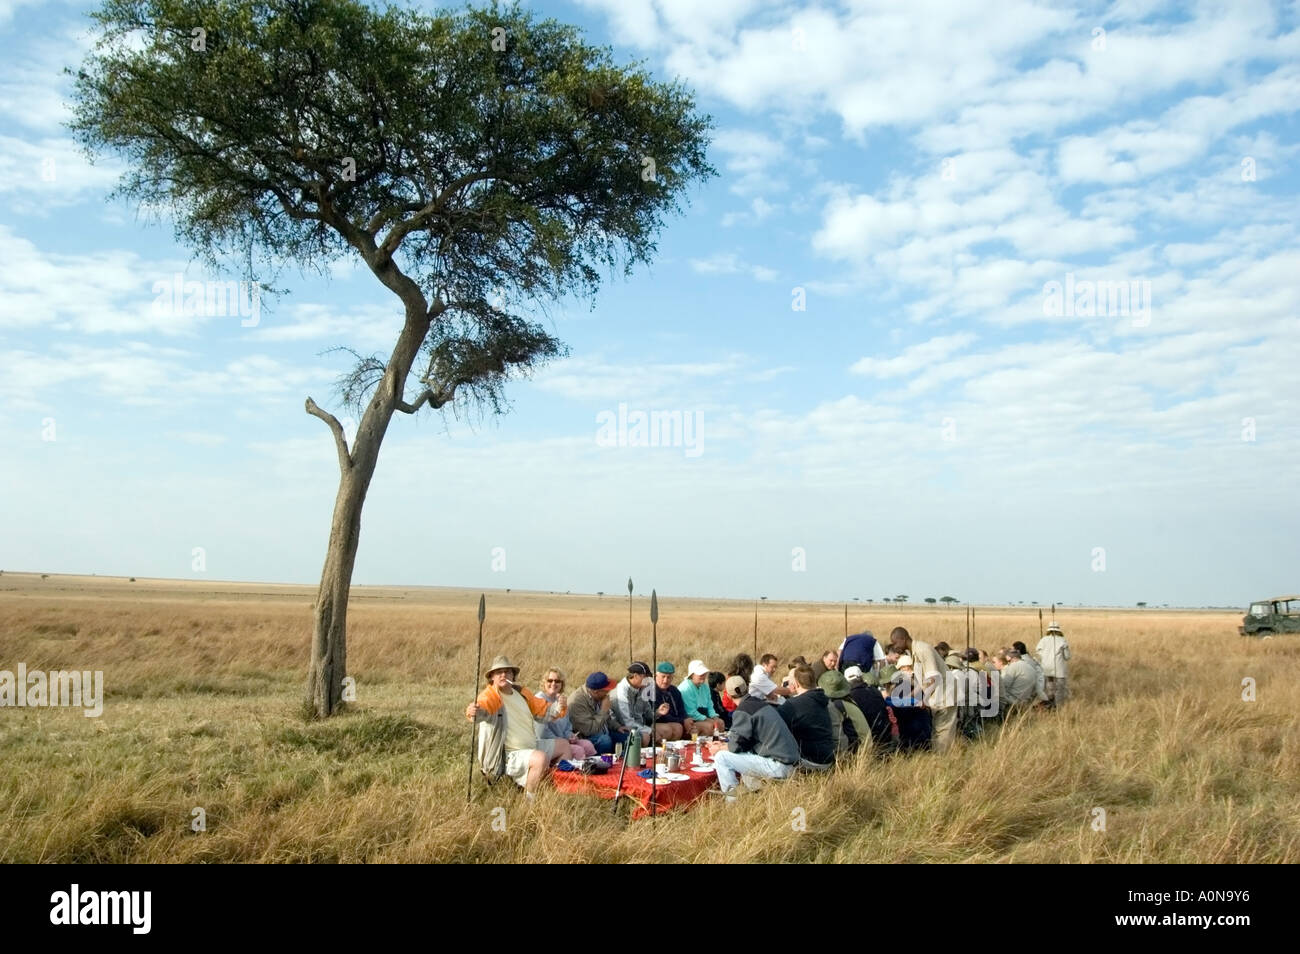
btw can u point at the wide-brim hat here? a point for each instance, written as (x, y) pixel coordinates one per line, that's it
(1053, 627)
(501, 662)
(833, 684)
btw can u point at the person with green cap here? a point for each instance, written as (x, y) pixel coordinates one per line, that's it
(849, 725)
(672, 723)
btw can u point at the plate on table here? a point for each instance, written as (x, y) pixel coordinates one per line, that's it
(702, 769)
(672, 777)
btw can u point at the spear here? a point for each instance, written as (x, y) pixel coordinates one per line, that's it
(629, 620)
(1040, 623)
(968, 717)
(846, 620)
(478, 664)
(654, 695)
(755, 631)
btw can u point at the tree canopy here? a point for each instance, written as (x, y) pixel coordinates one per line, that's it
(476, 161)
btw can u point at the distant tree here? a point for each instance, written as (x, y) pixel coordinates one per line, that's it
(1142, 604)
(884, 599)
(600, 592)
(479, 165)
(947, 599)
(901, 598)
(930, 599)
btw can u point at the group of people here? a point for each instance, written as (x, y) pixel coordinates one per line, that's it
(864, 696)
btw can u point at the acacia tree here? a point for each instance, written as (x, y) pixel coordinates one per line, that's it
(480, 163)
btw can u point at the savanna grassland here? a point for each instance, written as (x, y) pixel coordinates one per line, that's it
(202, 708)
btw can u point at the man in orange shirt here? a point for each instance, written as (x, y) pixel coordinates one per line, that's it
(507, 716)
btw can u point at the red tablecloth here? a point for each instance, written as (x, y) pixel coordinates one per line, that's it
(667, 796)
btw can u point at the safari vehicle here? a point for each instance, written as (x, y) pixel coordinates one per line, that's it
(1266, 617)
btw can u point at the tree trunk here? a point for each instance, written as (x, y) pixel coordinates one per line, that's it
(356, 468)
(329, 640)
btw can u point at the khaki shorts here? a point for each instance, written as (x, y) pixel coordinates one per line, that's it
(517, 761)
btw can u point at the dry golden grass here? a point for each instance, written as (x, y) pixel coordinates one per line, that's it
(202, 699)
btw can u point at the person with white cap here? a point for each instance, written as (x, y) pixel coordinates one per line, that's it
(698, 699)
(930, 681)
(507, 716)
(1054, 656)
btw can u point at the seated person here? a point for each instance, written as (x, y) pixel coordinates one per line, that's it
(591, 711)
(871, 702)
(761, 683)
(830, 661)
(632, 708)
(671, 719)
(760, 744)
(561, 727)
(716, 682)
(697, 698)
(848, 723)
(809, 720)
(507, 733)
(915, 721)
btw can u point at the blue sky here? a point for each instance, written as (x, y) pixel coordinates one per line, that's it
(919, 174)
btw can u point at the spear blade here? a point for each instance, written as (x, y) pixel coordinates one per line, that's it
(482, 607)
(654, 607)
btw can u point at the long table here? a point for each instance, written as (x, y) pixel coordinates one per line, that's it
(666, 796)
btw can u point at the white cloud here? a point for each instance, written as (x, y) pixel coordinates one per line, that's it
(913, 358)
(729, 263)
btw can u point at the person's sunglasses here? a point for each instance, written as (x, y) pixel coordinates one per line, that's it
(555, 682)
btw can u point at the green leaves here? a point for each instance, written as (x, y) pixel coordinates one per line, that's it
(483, 152)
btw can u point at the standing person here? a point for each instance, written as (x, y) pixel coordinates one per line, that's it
(930, 678)
(507, 733)
(698, 699)
(761, 683)
(671, 718)
(561, 727)
(809, 719)
(591, 711)
(760, 744)
(632, 706)
(1054, 655)
(861, 650)
(829, 662)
